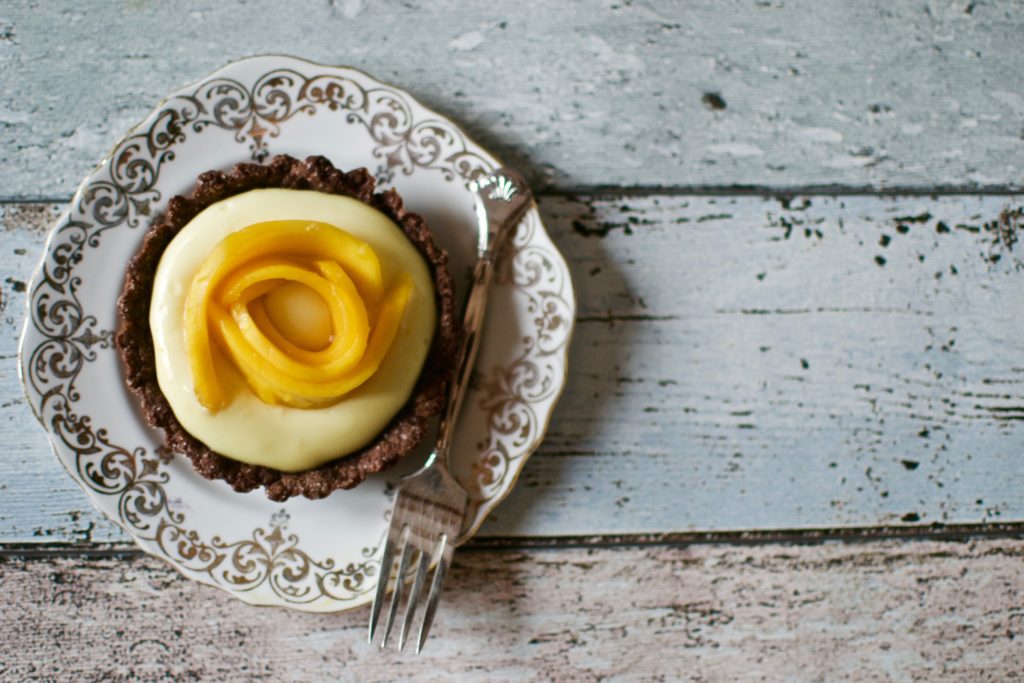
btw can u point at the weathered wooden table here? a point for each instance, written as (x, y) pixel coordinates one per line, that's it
(791, 444)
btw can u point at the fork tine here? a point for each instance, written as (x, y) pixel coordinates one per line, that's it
(414, 597)
(396, 595)
(445, 551)
(383, 579)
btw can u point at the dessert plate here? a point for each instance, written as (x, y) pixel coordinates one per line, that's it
(310, 555)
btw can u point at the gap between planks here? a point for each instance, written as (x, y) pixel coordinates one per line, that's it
(802, 537)
(762, 191)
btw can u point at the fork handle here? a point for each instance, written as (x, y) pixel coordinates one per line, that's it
(502, 199)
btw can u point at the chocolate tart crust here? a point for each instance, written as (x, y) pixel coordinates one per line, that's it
(135, 344)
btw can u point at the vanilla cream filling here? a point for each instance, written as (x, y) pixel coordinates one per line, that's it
(249, 430)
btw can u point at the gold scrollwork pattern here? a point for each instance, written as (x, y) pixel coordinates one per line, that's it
(510, 392)
(123, 192)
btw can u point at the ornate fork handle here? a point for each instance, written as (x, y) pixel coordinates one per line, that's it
(504, 199)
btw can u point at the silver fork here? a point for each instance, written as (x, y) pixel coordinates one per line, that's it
(431, 505)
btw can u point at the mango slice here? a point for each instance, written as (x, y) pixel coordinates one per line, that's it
(300, 315)
(227, 304)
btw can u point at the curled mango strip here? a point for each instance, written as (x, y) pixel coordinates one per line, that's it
(226, 305)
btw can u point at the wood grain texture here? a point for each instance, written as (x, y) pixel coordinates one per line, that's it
(597, 93)
(739, 363)
(831, 361)
(879, 611)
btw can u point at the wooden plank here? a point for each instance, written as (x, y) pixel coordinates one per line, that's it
(771, 94)
(878, 611)
(38, 500)
(739, 363)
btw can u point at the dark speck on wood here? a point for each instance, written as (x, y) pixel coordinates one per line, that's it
(1008, 227)
(713, 100)
(919, 218)
(602, 230)
(788, 204)
(714, 217)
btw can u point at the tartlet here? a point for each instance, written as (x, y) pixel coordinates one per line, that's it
(135, 344)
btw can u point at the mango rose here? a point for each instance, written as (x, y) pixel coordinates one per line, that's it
(234, 306)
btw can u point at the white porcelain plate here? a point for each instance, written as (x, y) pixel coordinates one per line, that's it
(311, 555)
